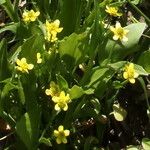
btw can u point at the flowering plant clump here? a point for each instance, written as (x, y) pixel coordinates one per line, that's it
(23, 66)
(73, 75)
(61, 101)
(113, 11)
(30, 16)
(52, 29)
(130, 73)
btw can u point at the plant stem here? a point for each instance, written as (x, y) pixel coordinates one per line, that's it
(140, 12)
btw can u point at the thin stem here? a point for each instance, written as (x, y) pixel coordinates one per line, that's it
(140, 12)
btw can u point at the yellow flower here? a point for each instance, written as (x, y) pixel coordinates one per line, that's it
(129, 73)
(119, 32)
(23, 66)
(39, 59)
(52, 29)
(53, 91)
(29, 16)
(61, 101)
(61, 135)
(113, 11)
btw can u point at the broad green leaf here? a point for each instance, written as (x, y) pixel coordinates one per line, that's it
(10, 27)
(146, 143)
(62, 82)
(118, 65)
(76, 92)
(119, 112)
(30, 48)
(24, 130)
(4, 100)
(27, 129)
(71, 15)
(140, 70)
(144, 60)
(97, 74)
(132, 147)
(69, 49)
(115, 50)
(2, 1)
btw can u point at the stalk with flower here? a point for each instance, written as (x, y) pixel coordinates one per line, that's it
(113, 11)
(30, 16)
(52, 29)
(23, 66)
(119, 32)
(129, 73)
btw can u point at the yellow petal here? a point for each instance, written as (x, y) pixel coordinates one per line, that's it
(125, 75)
(57, 22)
(57, 108)
(60, 128)
(37, 13)
(66, 107)
(56, 133)
(64, 140)
(18, 62)
(58, 140)
(47, 92)
(30, 66)
(23, 60)
(115, 37)
(67, 132)
(132, 80)
(136, 74)
(118, 25)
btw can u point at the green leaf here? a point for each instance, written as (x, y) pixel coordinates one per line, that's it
(3, 61)
(140, 70)
(27, 129)
(135, 2)
(69, 49)
(45, 141)
(10, 27)
(30, 48)
(118, 65)
(21, 92)
(119, 112)
(146, 143)
(131, 147)
(144, 60)
(76, 92)
(62, 82)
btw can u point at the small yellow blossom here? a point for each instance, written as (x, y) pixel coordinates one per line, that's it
(29, 16)
(61, 101)
(61, 135)
(39, 59)
(54, 90)
(113, 11)
(129, 73)
(119, 32)
(52, 29)
(23, 66)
